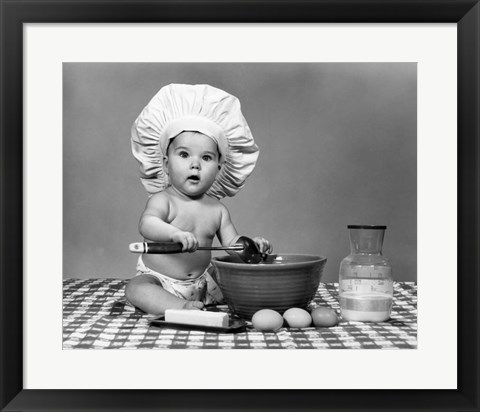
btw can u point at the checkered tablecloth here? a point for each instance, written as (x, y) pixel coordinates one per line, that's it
(97, 316)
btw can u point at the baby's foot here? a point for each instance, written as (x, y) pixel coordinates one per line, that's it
(193, 304)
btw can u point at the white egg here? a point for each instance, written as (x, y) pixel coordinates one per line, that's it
(297, 318)
(267, 320)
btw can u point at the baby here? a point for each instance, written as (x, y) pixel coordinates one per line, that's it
(206, 152)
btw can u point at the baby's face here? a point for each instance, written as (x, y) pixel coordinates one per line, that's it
(192, 163)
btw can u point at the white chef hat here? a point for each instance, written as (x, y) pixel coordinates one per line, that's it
(202, 108)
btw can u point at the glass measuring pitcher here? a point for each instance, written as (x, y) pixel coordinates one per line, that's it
(365, 279)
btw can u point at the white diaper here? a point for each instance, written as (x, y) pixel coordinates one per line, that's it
(203, 288)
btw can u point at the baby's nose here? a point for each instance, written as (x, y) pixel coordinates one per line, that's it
(195, 164)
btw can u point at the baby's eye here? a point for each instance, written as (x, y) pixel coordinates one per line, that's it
(207, 158)
(183, 154)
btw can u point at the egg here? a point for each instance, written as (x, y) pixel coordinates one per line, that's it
(324, 317)
(297, 318)
(267, 320)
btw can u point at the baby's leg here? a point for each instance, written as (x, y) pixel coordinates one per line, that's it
(146, 293)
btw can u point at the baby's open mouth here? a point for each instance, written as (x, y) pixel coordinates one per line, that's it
(194, 178)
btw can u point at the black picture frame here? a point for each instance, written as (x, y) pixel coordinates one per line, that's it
(14, 13)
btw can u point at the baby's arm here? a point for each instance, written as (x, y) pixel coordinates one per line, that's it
(264, 245)
(228, 235)
(153, 224)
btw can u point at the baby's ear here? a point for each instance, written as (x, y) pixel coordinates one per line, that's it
(165, 164)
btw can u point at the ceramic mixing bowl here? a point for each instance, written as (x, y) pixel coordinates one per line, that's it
(281, 283)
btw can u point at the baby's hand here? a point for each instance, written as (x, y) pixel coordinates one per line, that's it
(193, 304)
(263, 245)
(187, 239)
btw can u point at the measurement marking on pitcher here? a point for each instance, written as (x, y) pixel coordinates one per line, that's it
(366, 285)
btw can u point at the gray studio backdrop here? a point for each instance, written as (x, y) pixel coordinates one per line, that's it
(337, 147)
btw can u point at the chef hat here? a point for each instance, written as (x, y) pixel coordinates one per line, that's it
(202, 108)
